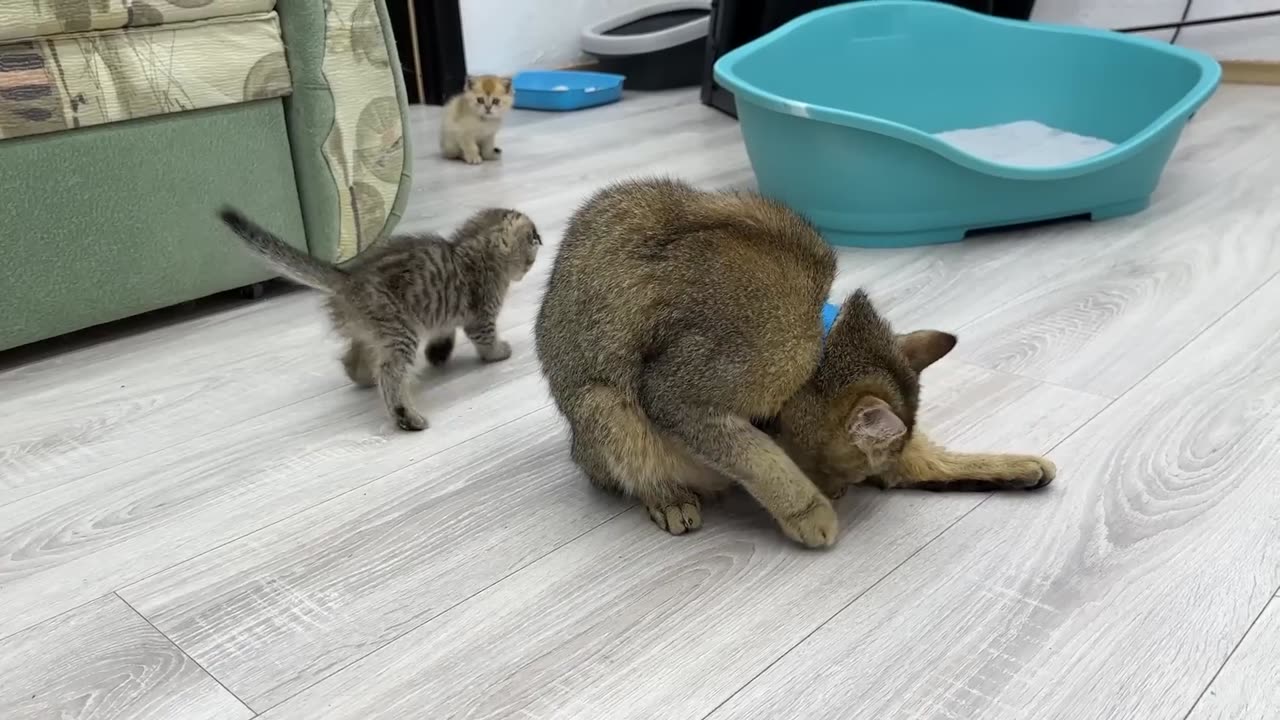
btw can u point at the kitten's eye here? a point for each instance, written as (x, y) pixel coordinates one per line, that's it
(480, 101)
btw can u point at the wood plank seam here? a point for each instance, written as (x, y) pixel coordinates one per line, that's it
(343, 494)
(356, 659)
(195, 662)
(1227, 659)
(1155, 367)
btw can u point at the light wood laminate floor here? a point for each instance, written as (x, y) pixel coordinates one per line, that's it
(200, 518)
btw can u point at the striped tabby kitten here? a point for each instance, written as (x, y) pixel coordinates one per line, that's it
(408, 291)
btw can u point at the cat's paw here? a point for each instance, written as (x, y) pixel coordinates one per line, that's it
(1023, 472)
(472, 158)
(439, 350)
(1044, 473)
(409, 419)
(677, 518)
(498, 351)
(815, 526)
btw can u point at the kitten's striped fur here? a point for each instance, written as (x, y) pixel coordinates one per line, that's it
(411, 290)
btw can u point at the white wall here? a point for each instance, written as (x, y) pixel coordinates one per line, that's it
(1243, 40)
(503, 36)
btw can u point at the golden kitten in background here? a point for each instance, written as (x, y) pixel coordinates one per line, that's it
(472, 119)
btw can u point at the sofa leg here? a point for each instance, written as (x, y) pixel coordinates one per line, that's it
(252, 292)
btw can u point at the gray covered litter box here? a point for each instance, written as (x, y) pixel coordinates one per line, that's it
(656, 47)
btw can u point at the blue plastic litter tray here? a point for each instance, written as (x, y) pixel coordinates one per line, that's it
(841, 110)
(565, 89)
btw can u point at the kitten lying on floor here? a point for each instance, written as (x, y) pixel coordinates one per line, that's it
(674, 317)
(411, 290)
(470, 122)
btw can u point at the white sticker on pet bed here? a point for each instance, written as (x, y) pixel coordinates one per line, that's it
(798, 109)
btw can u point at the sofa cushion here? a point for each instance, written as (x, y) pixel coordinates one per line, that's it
(71, 81)
(22, 19)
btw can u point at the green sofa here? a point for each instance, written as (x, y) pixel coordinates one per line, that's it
(124, 124)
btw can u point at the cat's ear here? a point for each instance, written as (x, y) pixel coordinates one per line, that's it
(923, 348)
(509, 230)
(470, 83)
(874, 423)
(506, 85)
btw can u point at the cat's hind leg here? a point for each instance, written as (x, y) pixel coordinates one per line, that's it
(926, 466)
(396, 357)
(621, 450)
(358, 361)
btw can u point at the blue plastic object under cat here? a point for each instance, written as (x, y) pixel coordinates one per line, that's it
(841, 108)
(829, 313)
(565, 89)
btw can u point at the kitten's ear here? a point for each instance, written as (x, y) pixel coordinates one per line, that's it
(506, 85)
(925, 347)
(873, 422)
(508, 231)
(470, 83)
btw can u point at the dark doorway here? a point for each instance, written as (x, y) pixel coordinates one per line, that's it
(737, 22)
(429, 43)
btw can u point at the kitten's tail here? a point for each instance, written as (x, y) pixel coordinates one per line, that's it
(289, 261)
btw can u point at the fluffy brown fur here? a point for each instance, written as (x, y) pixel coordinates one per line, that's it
(674, 318)
(410, 291)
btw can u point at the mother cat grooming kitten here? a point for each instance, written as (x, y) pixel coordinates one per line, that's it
(674, 318)
(470, 122)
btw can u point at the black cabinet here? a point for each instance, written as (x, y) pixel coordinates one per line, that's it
(737, 22)
(429, 43)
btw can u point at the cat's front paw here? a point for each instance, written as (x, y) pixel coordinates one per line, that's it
(472, 158)
(1047, 472)
(409, 419)
(815, 526)
(677, 518)
(498, 351)
(1024, 472)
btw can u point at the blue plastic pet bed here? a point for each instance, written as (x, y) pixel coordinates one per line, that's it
(892, 123)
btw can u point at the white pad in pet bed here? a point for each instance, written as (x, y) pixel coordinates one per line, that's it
(1025, 143)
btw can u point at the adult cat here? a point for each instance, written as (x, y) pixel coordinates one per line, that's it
(678, 323)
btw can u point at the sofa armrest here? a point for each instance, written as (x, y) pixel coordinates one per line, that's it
(347, 118)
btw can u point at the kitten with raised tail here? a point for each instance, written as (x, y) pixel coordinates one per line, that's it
(681, 336)
(471, 119)
(411, 291)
